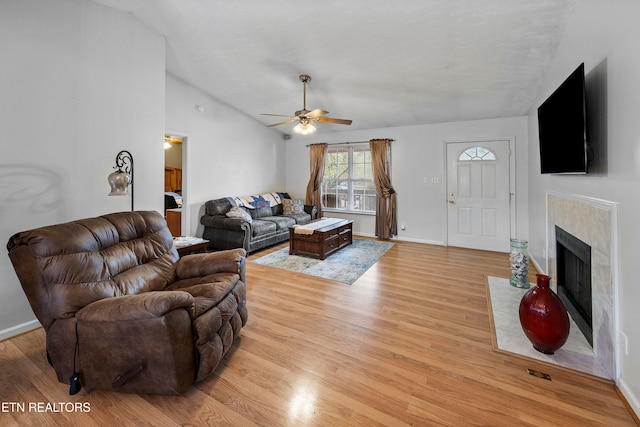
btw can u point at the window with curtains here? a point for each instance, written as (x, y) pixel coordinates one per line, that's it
(348, 184)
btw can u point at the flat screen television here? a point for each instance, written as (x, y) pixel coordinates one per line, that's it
(562, 128)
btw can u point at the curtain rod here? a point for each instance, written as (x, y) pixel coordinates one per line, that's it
(354, 142)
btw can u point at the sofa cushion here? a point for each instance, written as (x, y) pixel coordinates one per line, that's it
(261, 227)
(276, 210)
(292, 206)
(218, 206)
(263, 212)
(300, 218)
(282, 222)
(237, 212)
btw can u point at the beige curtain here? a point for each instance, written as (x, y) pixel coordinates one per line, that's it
(386, 219)
(317, 154)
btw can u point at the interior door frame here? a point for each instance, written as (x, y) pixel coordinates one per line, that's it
(512, 179)
(186, 208)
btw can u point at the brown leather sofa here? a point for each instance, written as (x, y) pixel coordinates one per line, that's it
(121, 311)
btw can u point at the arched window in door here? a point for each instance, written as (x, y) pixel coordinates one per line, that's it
(477, 153)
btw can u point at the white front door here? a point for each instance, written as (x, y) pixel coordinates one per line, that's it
(478, 197)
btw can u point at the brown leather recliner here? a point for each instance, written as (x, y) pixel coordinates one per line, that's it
(122, 310)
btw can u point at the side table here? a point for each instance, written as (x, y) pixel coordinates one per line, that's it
(189, 245)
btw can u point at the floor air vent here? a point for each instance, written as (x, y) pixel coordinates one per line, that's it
(539, 374)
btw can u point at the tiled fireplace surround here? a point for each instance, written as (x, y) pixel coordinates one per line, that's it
(594, 222)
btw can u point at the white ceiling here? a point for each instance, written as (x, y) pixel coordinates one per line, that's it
(379, 63)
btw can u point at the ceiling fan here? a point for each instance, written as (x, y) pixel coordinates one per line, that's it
(306, 117)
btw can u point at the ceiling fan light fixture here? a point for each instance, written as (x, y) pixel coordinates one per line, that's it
(304, 128)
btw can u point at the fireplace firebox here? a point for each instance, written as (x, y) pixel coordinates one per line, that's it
(574, 279)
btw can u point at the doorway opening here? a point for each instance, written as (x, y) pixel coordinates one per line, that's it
(174, 195)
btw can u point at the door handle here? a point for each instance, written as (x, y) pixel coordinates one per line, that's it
(452, 202)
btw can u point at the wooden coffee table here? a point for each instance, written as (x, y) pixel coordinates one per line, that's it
(323, 241)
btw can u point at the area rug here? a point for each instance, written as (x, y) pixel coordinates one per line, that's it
(504, 302)
(346, 265)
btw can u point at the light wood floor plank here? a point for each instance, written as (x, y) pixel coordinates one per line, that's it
(409, 343)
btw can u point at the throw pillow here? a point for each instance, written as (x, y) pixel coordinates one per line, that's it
(292, 206)
(238, 212)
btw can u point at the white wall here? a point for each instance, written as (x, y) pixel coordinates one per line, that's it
(79, 82)
(604, 36)
(419, 152)
(226, 153)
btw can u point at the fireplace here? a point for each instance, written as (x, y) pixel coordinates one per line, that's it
(574, 279)
(593, 222)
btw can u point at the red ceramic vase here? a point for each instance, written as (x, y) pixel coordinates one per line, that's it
(543, 317)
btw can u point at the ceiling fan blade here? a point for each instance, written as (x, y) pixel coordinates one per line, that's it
(276, 115)
(316, 113)
(282, 123)
(336, 121)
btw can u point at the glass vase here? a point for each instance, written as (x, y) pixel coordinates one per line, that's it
(519, 260)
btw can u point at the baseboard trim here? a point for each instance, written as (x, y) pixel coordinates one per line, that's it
(402, 239)
(427, 242)
(19, 329)
(630, 399)
(363, 234)
(537, 265)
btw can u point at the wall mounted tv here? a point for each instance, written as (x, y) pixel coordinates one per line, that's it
(562, 127)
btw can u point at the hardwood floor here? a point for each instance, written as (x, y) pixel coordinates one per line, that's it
(409, 343)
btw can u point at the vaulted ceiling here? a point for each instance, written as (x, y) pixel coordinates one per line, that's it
(379, 63)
